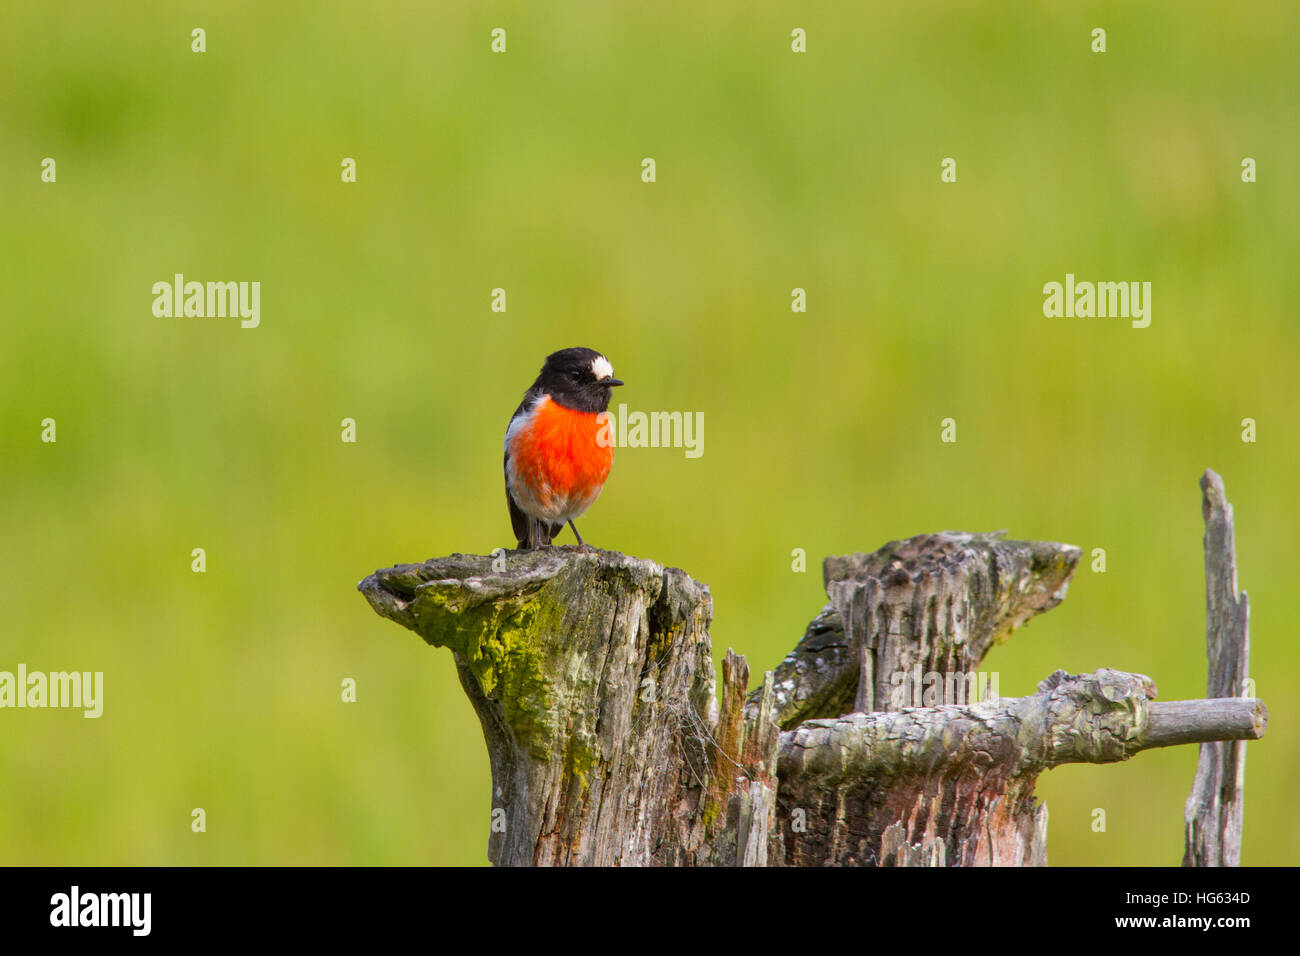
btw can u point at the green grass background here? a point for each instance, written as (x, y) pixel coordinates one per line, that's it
(522, 171)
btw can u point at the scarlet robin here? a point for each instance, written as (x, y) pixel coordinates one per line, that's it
(558, 446)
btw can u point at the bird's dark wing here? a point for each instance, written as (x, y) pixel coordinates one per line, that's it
(518, 520)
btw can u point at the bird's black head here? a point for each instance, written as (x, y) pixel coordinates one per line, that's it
(578, 378)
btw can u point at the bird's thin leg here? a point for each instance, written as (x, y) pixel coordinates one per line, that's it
(537, 536)
(582, 545)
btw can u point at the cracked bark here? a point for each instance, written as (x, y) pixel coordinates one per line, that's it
(592, 675)
(953, 785)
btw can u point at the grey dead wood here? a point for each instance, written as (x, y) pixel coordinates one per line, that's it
(592, 676)
(1215, 806)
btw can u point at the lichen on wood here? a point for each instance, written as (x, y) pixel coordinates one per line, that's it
(592, 676)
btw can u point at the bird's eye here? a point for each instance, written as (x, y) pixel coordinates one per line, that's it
(576, 374)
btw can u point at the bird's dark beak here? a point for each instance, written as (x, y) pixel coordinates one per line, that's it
(609, 381)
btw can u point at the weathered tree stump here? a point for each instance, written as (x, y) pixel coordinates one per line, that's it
(592, 675)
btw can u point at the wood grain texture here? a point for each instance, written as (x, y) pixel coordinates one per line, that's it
(592, 676)
(954, 785)
(1215, 807)
(936, 603)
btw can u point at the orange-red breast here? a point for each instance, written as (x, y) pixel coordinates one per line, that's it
(559, 446)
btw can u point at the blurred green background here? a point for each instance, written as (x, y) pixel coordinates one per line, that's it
(522, 171)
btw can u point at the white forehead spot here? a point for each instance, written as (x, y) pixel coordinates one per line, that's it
(601, 368)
